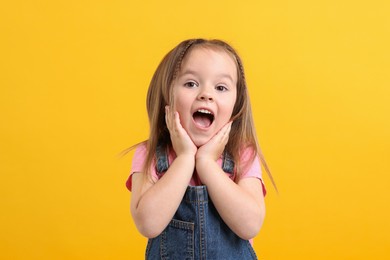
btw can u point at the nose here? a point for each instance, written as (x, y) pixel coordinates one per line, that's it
(205, 95)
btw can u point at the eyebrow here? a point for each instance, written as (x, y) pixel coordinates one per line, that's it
(192, 72)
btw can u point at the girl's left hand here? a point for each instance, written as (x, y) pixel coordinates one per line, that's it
(215, 146)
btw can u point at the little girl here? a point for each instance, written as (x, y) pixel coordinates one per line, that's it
(196, 184)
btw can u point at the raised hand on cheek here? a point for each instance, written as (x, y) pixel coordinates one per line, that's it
(181, 142)
(215, 146)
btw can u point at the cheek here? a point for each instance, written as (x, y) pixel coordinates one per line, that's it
(234, 103)
(230, 106)
(182, 106)
(180, 97)
(226, 114)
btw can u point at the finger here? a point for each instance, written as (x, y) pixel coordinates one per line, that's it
(167, 121)
(229, 127)
(225, 130)
(177, 120)
(168, 118)
(225, 133)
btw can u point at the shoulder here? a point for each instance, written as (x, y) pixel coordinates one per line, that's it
(250, 162)
(138, 162)
(141, 148)
(251, 166)
(247, 154)
(140, 154)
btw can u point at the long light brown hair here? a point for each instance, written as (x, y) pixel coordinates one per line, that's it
(242, 134)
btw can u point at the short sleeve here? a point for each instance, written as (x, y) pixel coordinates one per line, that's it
(137, 164)
(253, 169)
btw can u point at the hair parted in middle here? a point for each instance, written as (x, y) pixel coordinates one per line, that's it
(242, 134)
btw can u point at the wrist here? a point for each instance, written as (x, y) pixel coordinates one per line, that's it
(206, 167)
(204, 162)
(188, 157)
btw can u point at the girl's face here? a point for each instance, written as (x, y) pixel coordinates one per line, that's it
(205, 92)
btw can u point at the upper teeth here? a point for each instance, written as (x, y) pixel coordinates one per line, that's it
(204, 111)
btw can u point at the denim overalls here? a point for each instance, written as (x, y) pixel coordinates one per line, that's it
(196, 230)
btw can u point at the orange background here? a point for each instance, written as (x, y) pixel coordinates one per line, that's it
(73, 82)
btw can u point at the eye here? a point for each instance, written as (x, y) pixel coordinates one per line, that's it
(191, 84)
(221, 88)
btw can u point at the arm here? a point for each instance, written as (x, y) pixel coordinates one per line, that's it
(241, 205)
(153, 204)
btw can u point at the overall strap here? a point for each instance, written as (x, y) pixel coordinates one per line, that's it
(227, 163)
(162, 162)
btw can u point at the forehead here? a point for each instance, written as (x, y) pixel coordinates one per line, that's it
(203, 56)
(208, 50)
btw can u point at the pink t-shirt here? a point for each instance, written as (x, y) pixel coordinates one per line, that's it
(254, 169)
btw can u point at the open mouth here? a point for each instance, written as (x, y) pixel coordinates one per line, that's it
(203, 118)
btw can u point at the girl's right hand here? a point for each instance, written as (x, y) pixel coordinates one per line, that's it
(181, 141)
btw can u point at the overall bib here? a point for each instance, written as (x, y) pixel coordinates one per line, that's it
(197, 231)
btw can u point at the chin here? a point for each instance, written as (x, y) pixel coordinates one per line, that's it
(200, 141)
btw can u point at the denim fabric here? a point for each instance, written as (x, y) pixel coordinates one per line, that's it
(162, 162)
(197, 231)
(227, 163)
